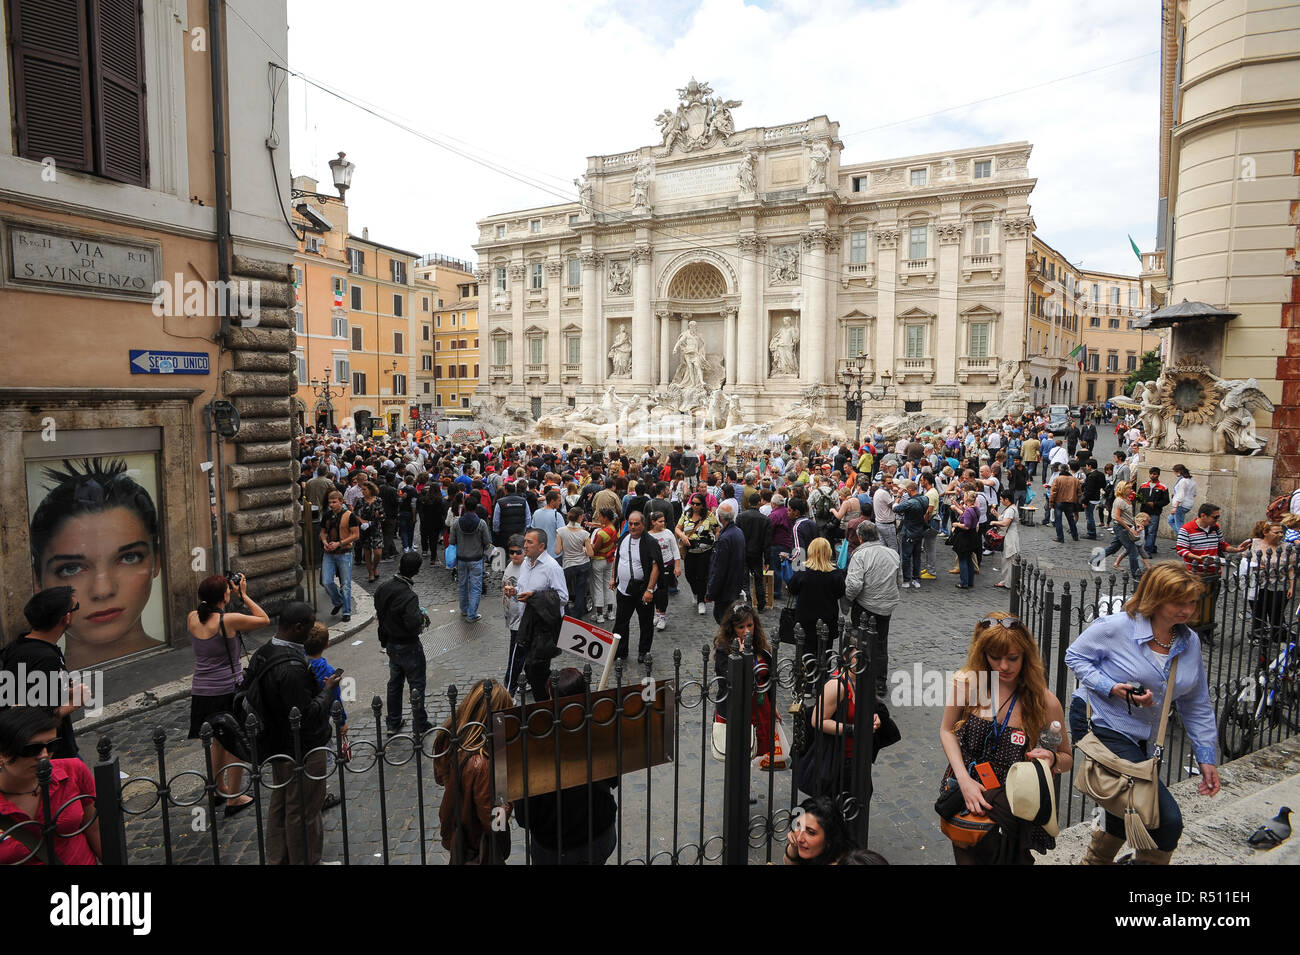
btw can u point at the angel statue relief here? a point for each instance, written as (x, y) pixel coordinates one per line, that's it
(1241, 399)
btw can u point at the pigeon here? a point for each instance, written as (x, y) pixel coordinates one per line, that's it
(1274, 832)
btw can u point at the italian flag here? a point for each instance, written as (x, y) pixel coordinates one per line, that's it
(1081, 352)
(1135, 248)
(338, 299)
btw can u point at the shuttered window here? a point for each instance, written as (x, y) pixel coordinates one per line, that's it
(78, 77)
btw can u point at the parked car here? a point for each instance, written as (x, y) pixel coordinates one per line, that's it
(1058, 418)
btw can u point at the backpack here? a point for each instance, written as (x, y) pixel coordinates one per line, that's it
(822, 508)
(231, 729)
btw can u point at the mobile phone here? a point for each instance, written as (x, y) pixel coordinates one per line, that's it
(987, 776)
(338, 671)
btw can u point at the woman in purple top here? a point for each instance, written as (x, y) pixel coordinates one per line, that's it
(782, 541)
(214, 635)
(966, 539)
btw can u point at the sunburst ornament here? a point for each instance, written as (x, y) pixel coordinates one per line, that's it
(1188, 388)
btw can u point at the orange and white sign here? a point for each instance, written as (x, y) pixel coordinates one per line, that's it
(591, 643)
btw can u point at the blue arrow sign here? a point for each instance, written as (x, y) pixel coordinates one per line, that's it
(169, 362)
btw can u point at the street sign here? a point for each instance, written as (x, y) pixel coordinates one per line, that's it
(592, 644)
(144, 362)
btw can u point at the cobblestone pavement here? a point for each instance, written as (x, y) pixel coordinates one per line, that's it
(931, 628)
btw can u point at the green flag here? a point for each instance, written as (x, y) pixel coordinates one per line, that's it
(1077, 349)
(1135, 248)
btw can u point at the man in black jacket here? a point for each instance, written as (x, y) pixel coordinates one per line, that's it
(638, 567)
(511, 515)
(37, 651)
(397, 609)
(392, 501)
(727, 567)
(285, 681)
(1094, 482)
(758, 538)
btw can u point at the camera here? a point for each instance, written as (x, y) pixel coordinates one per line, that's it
(234, 578)
(1138, 690)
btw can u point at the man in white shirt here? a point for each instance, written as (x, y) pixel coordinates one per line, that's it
(874, 586)
(882, 503)
(1060, 455)
(539, 570)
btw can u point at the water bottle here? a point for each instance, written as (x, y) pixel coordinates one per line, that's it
(1050, 738)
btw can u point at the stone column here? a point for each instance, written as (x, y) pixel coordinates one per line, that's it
(643, 365)
(885, 351)
(949, 342)
(812, 332)
(1015, 233)
(518, 346)
(554, 297)
(665, 345)
(729, 320)
(751, 370)
(593, 361)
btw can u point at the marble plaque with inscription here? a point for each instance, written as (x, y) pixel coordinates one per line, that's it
(84, 264)
(696, 181)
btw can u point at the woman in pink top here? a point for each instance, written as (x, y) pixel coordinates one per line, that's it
(27, 734)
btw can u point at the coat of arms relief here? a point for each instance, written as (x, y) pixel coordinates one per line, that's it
(700, 120)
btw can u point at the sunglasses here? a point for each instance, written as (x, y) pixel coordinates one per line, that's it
(32, 750)
(514, 551)
(1005, 622)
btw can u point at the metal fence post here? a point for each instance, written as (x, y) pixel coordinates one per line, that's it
(1017, 580)
(108, 805)
(864, 692)
(735, 771)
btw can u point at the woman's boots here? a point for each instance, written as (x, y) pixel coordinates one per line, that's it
(1102, 849)
(1151, 857)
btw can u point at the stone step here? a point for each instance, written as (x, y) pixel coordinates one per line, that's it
(1215, 829)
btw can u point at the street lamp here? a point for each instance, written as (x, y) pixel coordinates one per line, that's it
(854, 391)
(1178, 420)
(342, 172)
(324, 392)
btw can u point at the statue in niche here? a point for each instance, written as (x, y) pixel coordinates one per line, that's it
(641, 188)
(695, 361)
(784, 349)
(1152, 414)
(620, 354)
(746, 173)
(620, 278)
(584, 194)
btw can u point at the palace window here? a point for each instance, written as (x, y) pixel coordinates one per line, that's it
(500, 356)
(917, 240)
(535, 225)
(915, 341)
(918, 177)
(982, 237)
(979, 340)
(857, 248)
(501, 232)
(575, 272)
(983, 168)
(536, 273)
(501, 278)
(536, 350)
(855, 342)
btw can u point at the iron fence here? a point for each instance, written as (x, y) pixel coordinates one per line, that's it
(652, 742)
(1249, 634)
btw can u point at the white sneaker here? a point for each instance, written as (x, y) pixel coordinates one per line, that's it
(600, 617)
(701, 608)
(661, 621)
(916, 584)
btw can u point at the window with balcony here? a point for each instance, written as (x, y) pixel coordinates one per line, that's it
(1114, 295)
(501, 279)
(573, 349)
(915, 338)
(535, 276)
(500, 355)
(575, 273)
(978, 346)
(983, 168)
(918, 177)
(855, 341)
(917, 242)
(982, 237)
(857, 248)
(536, 350)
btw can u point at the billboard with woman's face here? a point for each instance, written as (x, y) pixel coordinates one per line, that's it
(94, 527)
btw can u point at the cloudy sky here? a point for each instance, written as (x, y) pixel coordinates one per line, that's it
(530, 89)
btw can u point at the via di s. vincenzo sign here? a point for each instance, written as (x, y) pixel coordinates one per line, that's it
(54, 259)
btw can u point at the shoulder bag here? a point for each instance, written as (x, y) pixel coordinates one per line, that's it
(1124, 788)
(789, 627)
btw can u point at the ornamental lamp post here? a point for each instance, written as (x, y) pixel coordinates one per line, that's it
(325, 393)
(342, 170)
(852, 380)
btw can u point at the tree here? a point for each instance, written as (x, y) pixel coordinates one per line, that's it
(1148, 370)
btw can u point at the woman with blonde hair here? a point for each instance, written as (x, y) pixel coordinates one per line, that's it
(997, 712)
(463, 766)
(1122, 654)
(819, 587)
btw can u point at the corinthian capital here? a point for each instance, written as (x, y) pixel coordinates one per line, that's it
(482, 276)
(590, 259)
(641, 253)
(1017, 228)
(751, 244)
(887, 238)
(554, 267)
(517, 273)
(948, 234)
(815, 237)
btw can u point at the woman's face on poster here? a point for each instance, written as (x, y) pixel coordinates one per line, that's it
(109, 560)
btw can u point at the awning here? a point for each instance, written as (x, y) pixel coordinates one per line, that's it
(1184, 312)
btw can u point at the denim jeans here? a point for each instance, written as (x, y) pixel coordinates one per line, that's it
(1177, 518)
(406, 664)
(1149, 541)
(966, 562)
(1124, 542)
(1171, 818)
(406, 531)
(469, 584)
(337, 564)
(911, 547)
(577, 578)
(927, 549)
(1088, 510)
(1066, 511)
(774, 562)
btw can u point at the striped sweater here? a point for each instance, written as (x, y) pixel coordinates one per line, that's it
(1196, 544)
